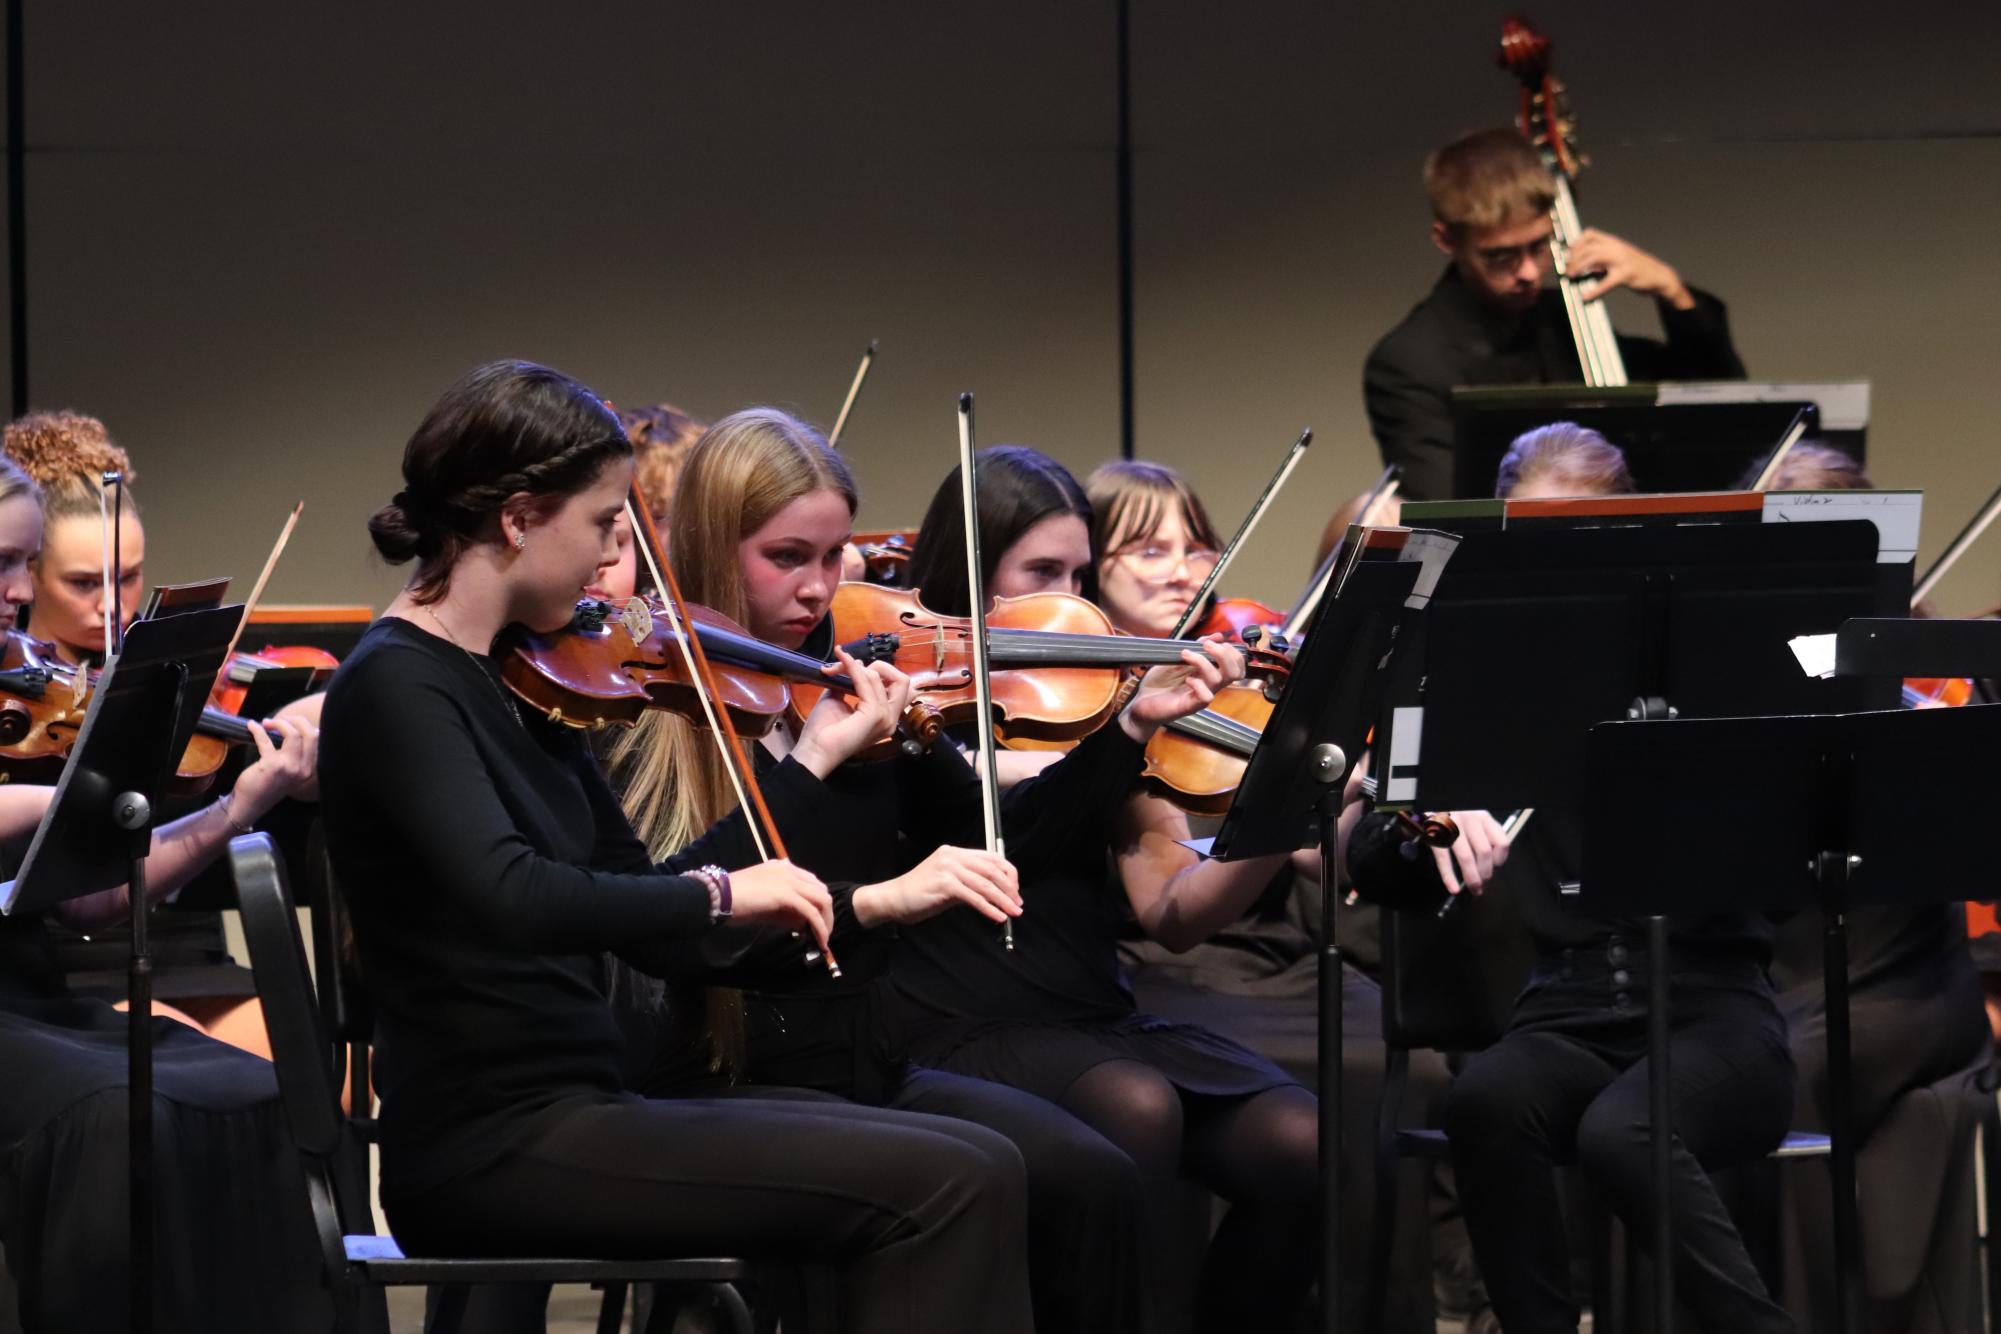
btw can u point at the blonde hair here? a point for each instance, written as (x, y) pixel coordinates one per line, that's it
(1490, 178)
(66, 455)
(1593, 464)
(743, 470)
(15, 482)
(1812, 467)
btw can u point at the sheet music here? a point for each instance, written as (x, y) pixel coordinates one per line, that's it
(1895, 514)
(1844, 405)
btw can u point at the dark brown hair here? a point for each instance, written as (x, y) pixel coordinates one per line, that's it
(503, 429)
(1019, 487)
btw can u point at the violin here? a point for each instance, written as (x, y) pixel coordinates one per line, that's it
(43, 701)
(1198, 762)
(886, 555)
(1058, 670)
(1231, 617)
(240, 669)
(614, 662)
(1937, 692)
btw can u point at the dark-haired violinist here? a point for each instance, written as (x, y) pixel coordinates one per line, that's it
(490, 871)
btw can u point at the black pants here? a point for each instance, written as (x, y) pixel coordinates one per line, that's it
(1569, 1083)
(923, 1215)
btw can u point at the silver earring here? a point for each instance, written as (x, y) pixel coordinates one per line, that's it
(520, 541)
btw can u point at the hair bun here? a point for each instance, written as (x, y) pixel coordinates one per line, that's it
(399, 531)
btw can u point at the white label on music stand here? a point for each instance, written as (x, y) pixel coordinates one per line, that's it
(1406, 735)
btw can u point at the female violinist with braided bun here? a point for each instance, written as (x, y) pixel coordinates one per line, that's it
(762, 511)
(490, 871)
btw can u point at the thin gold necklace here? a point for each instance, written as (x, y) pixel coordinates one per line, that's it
(479, 664)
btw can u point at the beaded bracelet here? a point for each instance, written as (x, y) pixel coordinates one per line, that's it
(717, 881)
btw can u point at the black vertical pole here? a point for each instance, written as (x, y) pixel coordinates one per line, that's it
(17, 213)
(1331, 768)
(1122, 158)
(1660, 1111)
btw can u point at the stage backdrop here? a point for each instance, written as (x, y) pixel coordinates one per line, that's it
(261, 238)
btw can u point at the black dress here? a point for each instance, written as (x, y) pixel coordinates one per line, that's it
(1041, 1015)
(1056, 1017)
(489, 868)
(236, 1248)
(1451, 338)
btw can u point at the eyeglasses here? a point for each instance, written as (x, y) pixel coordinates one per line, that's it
(1154, 561)
(1508, 258)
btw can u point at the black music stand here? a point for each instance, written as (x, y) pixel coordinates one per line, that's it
(1537, 633)
(1837, 800)
(1291, 794)
(99, 828)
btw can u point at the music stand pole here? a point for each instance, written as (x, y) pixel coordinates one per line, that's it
(1329, 766)
(1292, 789)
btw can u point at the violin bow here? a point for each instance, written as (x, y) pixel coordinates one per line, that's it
(111, 511)
(854, 392)
(1803, 421)
(1316, 588)
(263, 578)
(1968, 535)
(736, 759)
(1259, 508)
(983, 702)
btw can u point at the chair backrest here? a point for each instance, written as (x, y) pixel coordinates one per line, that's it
(298, 1043)
(346, 1017)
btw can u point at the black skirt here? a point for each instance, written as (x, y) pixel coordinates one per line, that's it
(236, 1249)
(1047, 1058)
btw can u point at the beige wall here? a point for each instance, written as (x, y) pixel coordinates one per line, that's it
(263, 237)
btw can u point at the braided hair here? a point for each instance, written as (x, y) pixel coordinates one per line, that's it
(504, 429)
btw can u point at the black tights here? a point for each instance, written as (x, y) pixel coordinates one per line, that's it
(1259, 1152)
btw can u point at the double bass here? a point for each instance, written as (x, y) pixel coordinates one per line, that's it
(1545, 119)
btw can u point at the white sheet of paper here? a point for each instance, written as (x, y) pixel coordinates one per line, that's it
(1815, 653)
(1895, 514)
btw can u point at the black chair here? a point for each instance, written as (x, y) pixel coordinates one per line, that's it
(360, 1264)
(1448, 985)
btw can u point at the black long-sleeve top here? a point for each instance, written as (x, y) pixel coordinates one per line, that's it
(488, 867)
(1451, 338)
(865, 824)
